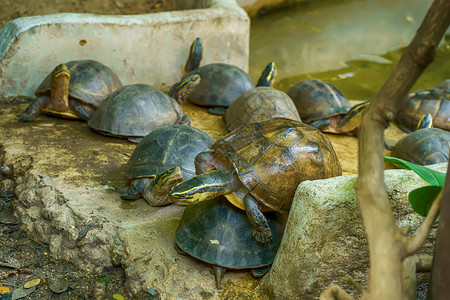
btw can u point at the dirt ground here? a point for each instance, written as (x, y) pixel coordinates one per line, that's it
(21, 259)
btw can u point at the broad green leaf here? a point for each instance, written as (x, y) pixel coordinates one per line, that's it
(422, 198)
(431, 176)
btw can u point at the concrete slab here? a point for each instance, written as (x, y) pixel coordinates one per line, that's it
(149, 48)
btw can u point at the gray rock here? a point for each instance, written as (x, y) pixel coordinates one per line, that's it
(325, 238)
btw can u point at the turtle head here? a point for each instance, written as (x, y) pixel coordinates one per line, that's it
(61, 73)
(352, 119)
(426, 121)
(195, 55)
(268, 76)
(203, 187)
(182, 89)
(169, 178)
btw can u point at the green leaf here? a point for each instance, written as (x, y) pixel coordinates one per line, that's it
(104, 279)
(431, 176)
(422, 198)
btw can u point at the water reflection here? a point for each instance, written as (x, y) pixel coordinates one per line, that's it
(350, 37)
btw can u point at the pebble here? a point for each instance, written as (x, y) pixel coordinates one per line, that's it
(58, 285)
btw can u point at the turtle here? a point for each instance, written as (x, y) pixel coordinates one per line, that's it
(161, 159)
(218, 233)
(324, 106)
(435, 101)
(73, 90)
(425, 146)
(221, 83)
(445, 85)
(135, 110)
(259, 167)
(261, 103)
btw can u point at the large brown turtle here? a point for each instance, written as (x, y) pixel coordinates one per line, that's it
(261, 103)
(324, 106)
(221, 83)
(73, 90)
(258, 168)
(435, 101)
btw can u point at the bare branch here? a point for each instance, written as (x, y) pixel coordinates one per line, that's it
(387, 245)
(421, 234)
(335, 292)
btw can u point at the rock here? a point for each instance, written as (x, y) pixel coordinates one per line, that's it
(325, 238)
(58, 285)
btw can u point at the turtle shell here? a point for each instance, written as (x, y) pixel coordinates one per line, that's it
(433, 101)
(272, 157)
(221, 84)
(445, 85)
(424, 147)
(90, 82)
(219, 233)
(166, 147)
(260, 104)
(316, 100)
(135, 110)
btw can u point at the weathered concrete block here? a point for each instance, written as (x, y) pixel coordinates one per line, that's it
(148, 48)
(325, 238)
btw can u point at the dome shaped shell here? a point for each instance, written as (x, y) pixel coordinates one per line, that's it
(424, 147)
(166, 147)
(433, 101)
(259, 104)
(90, 82)
(316, 100)
(220, 85)
(272, 157)
(219, 221)
(135, 110)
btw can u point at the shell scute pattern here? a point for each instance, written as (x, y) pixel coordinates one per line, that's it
(272, 157)
(166, 147)
(317, 100)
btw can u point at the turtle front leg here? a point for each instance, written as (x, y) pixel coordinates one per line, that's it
(157, 192)
(136, 189)
(261, 228)
(34, 109)
(84, 112)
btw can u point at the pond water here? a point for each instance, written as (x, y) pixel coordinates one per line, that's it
(352, 44)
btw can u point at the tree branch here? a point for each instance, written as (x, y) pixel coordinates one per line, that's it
(421, 234)
(386, 243)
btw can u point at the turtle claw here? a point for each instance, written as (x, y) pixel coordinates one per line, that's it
(262, 237)
(130, 194)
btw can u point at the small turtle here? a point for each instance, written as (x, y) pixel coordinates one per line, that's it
(73, 90)
(161, 160)
(261, 103)
(445, 85)
(221, 83)
(135, 110)
(425, 146)
(259, 167)
(435, 101)
(324, 106)
(218, 233)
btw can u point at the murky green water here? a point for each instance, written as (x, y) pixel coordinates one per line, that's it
(353, 44)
